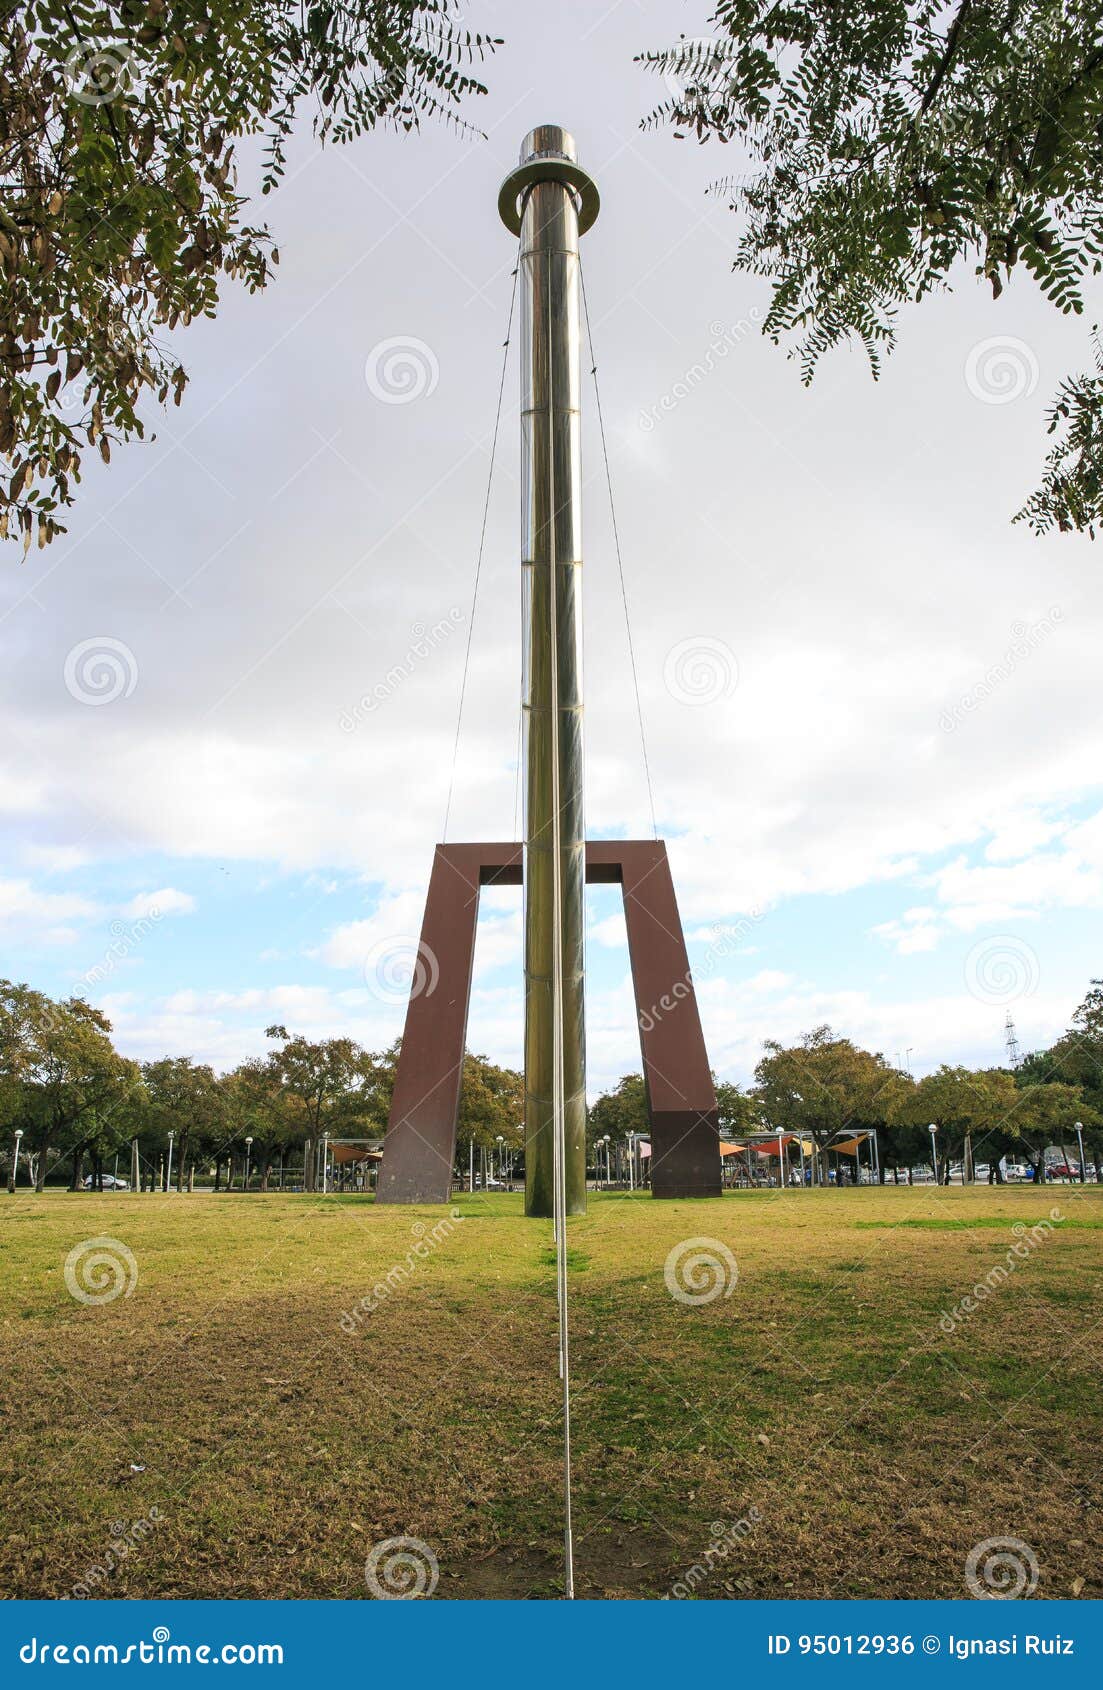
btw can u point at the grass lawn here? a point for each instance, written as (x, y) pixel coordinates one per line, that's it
(270, 1443)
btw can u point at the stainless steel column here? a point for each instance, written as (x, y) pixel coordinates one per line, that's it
(549, 201)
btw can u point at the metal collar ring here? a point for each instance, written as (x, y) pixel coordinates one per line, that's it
(548, 170)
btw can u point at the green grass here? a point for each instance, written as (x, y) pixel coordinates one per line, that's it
(281, 1414)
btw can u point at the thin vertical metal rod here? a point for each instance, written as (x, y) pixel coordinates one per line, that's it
(559, 1089)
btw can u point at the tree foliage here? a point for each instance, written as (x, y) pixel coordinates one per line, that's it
(492, 1103)
(893, 139)
(618, 1112)
(70, 1092)
(121, 213)
(61, 1079)
(825, 1084)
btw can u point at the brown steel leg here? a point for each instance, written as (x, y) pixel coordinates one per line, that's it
(681, 1098)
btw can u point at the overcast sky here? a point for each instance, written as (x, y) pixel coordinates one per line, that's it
(871, 704)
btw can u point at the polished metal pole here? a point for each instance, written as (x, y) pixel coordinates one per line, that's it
(549, 201)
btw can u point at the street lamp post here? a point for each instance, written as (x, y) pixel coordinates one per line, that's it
(248, 1153)
(168, 1165)
(1080, 1142)
(608, 1176)
(15, 1160)
(932, 1129)
(325, 1163)
(501, 1158)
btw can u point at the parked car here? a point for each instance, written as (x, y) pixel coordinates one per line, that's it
(110, 1183)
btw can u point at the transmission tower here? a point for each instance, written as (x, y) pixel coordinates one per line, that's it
(1011, 1041)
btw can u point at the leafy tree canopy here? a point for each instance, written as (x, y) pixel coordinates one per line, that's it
(61, 1078)
(618, 1112)
(492, 1102)
(824, 1084)
(891, 139)
(120, 209)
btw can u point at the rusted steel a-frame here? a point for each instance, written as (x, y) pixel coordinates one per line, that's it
(419, 1149)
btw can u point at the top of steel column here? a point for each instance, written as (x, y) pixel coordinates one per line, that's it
(548, 155)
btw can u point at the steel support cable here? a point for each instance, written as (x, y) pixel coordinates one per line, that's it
(616, 546)
(482, 546)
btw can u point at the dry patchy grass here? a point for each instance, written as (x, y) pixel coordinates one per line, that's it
(277, 1445)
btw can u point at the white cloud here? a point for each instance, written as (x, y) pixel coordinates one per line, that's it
(168, 901)
(609, 931)
(24, 907)
(971, 895)
(56, 859)
(396, 921)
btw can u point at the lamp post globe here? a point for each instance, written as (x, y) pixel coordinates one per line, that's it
(15, 1159)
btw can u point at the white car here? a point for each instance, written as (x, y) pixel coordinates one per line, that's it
(110, 1183)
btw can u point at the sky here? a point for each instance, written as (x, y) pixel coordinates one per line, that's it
(871, 704)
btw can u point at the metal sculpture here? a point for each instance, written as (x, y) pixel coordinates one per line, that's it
(420, 1147)
(548, 202)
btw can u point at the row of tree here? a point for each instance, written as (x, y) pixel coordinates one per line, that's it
(78, 1104)
(825, 1086)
